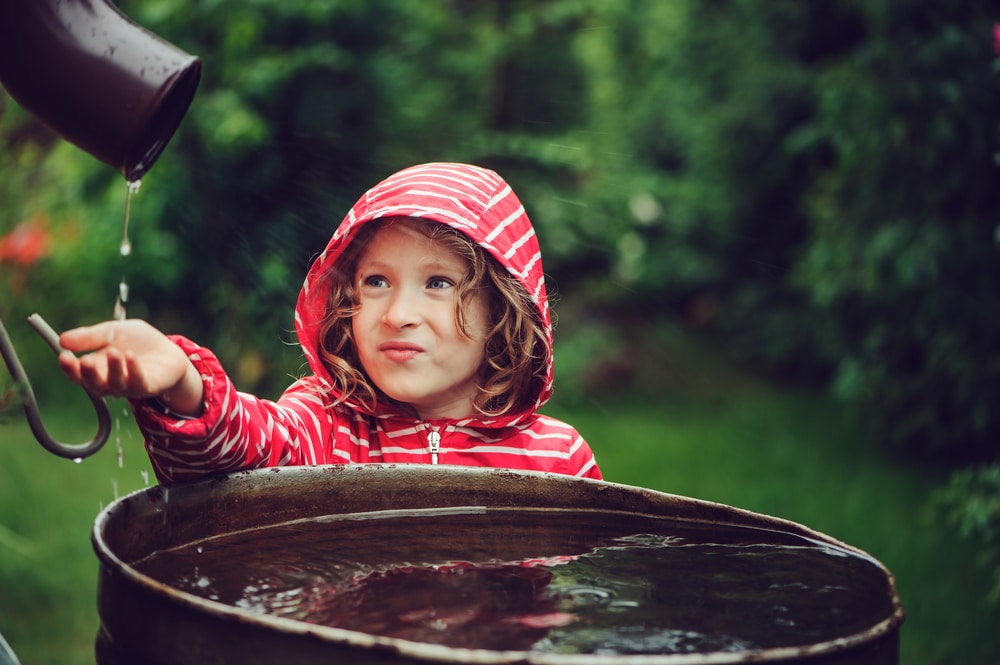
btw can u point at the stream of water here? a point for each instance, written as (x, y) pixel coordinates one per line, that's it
(125, 249)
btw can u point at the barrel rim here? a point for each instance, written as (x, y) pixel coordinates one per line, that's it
(444, 654)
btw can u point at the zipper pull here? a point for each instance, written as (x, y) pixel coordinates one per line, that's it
(434, 444)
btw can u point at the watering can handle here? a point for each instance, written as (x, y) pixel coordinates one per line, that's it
(70, 451)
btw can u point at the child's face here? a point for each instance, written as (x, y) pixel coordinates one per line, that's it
(406, 329)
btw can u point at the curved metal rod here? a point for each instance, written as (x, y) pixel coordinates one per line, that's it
(67, 450)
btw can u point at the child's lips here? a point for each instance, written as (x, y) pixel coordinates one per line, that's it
(400, 352)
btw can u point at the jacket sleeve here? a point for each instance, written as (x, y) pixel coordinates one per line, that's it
(236, 430)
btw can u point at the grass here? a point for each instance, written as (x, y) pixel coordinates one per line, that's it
(48, 570)
(756, 447)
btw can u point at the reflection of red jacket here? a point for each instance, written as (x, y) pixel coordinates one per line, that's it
(239, 431)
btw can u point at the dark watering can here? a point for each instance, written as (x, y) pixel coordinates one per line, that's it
(99, 80)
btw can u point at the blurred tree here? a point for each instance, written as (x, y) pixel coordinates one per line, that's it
(904, 254)
(971, 504)
(810, 185)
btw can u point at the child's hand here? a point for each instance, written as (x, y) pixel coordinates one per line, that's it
(131, 359)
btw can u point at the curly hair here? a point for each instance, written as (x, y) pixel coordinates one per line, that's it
(517, 352)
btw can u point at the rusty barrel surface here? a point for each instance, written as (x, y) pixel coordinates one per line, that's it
(145, 621)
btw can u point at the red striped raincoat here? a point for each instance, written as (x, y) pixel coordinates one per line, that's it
(303, 427)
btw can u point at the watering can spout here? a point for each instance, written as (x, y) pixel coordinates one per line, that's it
(96, 78)
(71, 451)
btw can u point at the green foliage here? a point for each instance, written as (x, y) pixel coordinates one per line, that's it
(903, 258)
(812, 186)
(972, 504)
(48, 570)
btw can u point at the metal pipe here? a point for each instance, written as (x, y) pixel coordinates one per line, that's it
(70, 451)
(7, 655)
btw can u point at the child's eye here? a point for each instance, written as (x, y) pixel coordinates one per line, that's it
(378, 281)
(439, 283)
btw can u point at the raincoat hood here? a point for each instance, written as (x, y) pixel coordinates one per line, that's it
(471, 199)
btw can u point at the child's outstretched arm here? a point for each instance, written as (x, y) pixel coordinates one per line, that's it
(132, 359)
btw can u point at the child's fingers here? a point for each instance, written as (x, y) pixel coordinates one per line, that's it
(88, 338)
(140, 382)
(117, 373)
(70, 366)
(94, 372)
(116, 358)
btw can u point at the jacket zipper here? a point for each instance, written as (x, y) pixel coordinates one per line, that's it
(434, 444)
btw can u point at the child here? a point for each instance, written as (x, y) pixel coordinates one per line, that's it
(425, 324)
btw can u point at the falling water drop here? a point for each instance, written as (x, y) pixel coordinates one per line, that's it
(165, 502)
(133, 187)
(77, 460)
(118, 443)
(126, 249)
(120, 313)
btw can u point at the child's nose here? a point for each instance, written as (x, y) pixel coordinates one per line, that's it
(402, 310)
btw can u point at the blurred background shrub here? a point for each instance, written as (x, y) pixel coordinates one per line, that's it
(810, 187)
